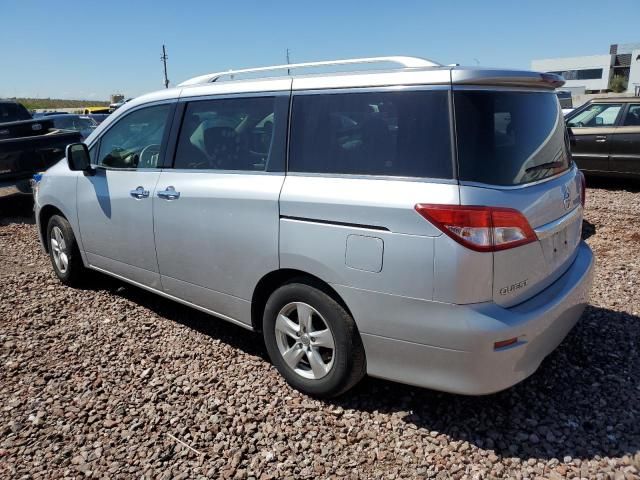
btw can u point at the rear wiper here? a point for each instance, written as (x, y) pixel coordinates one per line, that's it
(544, 166)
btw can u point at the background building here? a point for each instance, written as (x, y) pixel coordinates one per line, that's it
(595, 73)
(117, 97)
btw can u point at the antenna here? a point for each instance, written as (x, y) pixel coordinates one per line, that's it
(288, 62)
(164, 59)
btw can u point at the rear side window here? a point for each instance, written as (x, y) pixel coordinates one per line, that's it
(400, 133)
(633, 116)
(233, 134)
(509, 138)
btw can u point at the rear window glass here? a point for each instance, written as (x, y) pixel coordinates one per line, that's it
(13, 112)
(401, 133)
(509, 138)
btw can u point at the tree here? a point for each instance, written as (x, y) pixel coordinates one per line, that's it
(618, 84)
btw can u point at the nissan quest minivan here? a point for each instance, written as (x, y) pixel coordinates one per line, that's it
(415, 222)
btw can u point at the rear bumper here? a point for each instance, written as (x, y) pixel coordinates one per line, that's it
(451, 347)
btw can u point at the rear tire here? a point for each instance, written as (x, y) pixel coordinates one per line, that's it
(313, 341)
(64, 252)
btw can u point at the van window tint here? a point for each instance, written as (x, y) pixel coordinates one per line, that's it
(233, 134)
(400, 133)
(509, 138)
(633, 116)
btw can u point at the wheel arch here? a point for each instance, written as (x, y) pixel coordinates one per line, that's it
(275, 279)
(44, 215)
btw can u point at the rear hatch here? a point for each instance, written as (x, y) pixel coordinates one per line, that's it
(513, 153)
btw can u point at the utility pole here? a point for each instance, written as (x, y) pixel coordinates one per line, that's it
(164, 59)
(288, 62)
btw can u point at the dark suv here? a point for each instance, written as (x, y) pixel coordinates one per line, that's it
(606, 136)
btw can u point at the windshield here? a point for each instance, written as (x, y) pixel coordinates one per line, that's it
(509, 138)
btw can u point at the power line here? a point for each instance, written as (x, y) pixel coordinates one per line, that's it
(164, 59)
(288, 62)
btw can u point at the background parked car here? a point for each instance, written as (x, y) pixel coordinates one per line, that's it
(114, 106)
(92, 110)
(606, 136)
(78, 123)
(27, 146)
(565, 98)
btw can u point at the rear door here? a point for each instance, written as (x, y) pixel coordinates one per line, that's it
(593, 130)
(625, 147)
(216, 210)
(360, 160)
(513, 153)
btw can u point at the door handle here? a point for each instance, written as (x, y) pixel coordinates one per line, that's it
(139, 193)
(601, 138)
(169, 194)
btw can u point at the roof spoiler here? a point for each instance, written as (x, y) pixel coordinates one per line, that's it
(507, 78)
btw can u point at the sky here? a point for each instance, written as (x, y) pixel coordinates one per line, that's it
(90, 49)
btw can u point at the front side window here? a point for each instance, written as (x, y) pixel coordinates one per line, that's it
(233, 134)
(134, 140)
(596, 115)
(399, 133)
(633, 116)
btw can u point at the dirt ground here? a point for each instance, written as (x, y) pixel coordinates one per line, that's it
(110, 381)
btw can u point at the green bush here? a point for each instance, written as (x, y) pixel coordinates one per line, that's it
(618, 84)
(53, 103)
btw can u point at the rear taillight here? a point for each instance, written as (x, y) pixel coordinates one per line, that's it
(484, 229)
(583, 188)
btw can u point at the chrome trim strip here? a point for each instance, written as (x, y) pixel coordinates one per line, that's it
(446, 181)
(221, 172)
(335, 223)
(505, 88)
(184, 97)
(548, 229)
(589, 155)
(573, 170)
(372, 89)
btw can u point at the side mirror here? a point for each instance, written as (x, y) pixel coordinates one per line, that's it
(78, 157)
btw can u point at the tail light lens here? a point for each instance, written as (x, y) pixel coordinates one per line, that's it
(483, 229)
(583, 189)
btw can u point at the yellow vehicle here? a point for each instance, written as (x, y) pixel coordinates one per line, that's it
(91, 110)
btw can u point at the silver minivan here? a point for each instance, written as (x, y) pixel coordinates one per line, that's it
(415, 222)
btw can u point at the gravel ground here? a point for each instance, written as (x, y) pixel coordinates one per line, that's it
(113, 382)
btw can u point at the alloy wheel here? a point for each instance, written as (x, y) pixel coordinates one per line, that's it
(305, 340)
(59, 250)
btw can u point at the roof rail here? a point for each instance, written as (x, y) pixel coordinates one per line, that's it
(405, 62)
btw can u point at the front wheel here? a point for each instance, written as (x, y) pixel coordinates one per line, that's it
(64, 252)
(313, 341)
